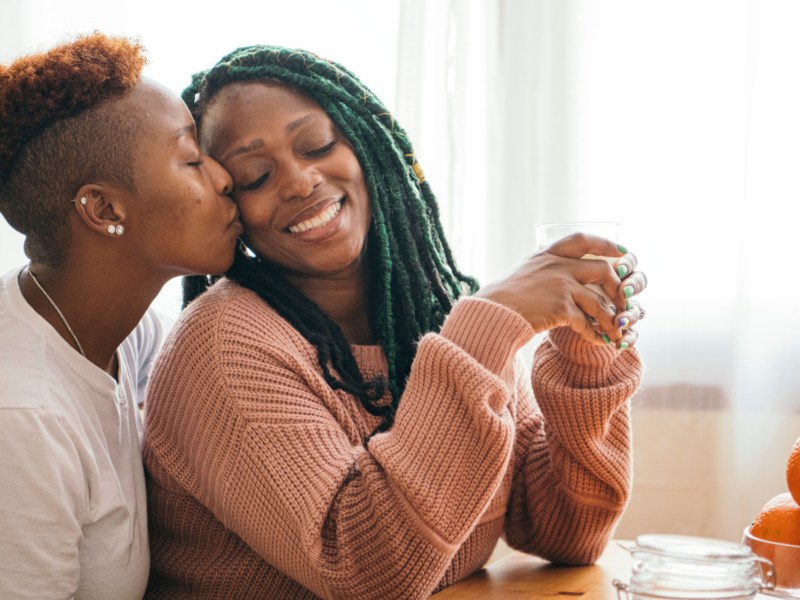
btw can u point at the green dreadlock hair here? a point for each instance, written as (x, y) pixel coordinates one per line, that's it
(413, 278)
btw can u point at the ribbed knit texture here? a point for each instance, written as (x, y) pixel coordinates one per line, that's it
(260, 485)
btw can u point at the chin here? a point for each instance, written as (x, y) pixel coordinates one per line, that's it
(220, 264)
(221, 269)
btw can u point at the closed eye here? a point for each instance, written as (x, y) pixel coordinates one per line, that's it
(322, 151)
(196, 163)
(255, 184)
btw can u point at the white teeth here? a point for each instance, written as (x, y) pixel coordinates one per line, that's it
(318, 221)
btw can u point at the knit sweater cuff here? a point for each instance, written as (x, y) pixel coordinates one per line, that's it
(566, 358)
(489, 332)
(577, 350)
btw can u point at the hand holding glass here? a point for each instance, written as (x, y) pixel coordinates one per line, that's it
(549, 233)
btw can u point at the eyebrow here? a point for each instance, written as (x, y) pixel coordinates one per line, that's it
(299, 123)
(186, 130)
(259, 143)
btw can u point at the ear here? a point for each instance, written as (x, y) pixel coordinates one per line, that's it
(102, 208)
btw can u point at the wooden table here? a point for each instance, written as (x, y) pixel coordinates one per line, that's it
(519, 576)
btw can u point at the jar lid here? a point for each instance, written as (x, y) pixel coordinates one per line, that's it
(693, 548)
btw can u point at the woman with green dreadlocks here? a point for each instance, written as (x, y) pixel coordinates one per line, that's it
(344, 415)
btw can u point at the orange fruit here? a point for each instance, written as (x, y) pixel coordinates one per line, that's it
(778, 521)
(793, 471)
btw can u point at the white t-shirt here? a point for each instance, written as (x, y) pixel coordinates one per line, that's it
(73, 516)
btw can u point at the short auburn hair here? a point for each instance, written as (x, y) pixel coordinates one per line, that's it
(60, 129)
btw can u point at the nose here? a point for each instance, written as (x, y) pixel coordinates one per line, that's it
(298, 179)
(220, 178)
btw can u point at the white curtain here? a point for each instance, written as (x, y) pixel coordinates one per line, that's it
(681, 120)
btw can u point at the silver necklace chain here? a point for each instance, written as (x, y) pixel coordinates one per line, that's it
(58, 310)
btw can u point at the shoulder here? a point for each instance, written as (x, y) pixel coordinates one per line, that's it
(25, 373)
(28, 424)
(24, 357)
(38, 430)
(228, 357)
(227, 334)
(37, 370)
(229, 314)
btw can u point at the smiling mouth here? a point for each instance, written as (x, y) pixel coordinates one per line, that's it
(319, 220)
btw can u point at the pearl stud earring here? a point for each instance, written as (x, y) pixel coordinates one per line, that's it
(83, 200)
(119, 229)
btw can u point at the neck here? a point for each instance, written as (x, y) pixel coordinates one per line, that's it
(345, 299)
(102, 303)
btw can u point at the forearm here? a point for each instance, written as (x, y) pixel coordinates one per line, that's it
(572, 481)
(561, 509)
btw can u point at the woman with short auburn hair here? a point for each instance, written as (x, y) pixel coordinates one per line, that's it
(101, 171)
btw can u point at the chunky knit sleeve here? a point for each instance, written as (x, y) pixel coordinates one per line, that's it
(241, 416)
(572, 465)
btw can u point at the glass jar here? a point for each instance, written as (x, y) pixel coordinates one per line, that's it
(675, 567)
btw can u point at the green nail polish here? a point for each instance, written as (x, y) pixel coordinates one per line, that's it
(623, 345)
(628, 291)
(628, 305)
(622, 270)
(622, 248)
(606, 339)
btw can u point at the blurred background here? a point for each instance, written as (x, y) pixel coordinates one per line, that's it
(678, 118)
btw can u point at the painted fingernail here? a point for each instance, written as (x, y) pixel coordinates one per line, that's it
(628, 305)
(623, 321)
(628, 291)
(623, 345)
(622, 270)
(622, 248)
(606, 339)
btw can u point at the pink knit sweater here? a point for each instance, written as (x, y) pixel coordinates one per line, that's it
(261, 486)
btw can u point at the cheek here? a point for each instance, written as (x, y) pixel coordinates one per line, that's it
(364, 193)
(207, 212)
(255, 217)
(193, 206)
(351, 170)
(190, 215)
(352, 167)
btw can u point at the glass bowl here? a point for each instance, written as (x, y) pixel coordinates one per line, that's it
(785, 559)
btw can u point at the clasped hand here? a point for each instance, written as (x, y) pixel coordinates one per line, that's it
(549, 290)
